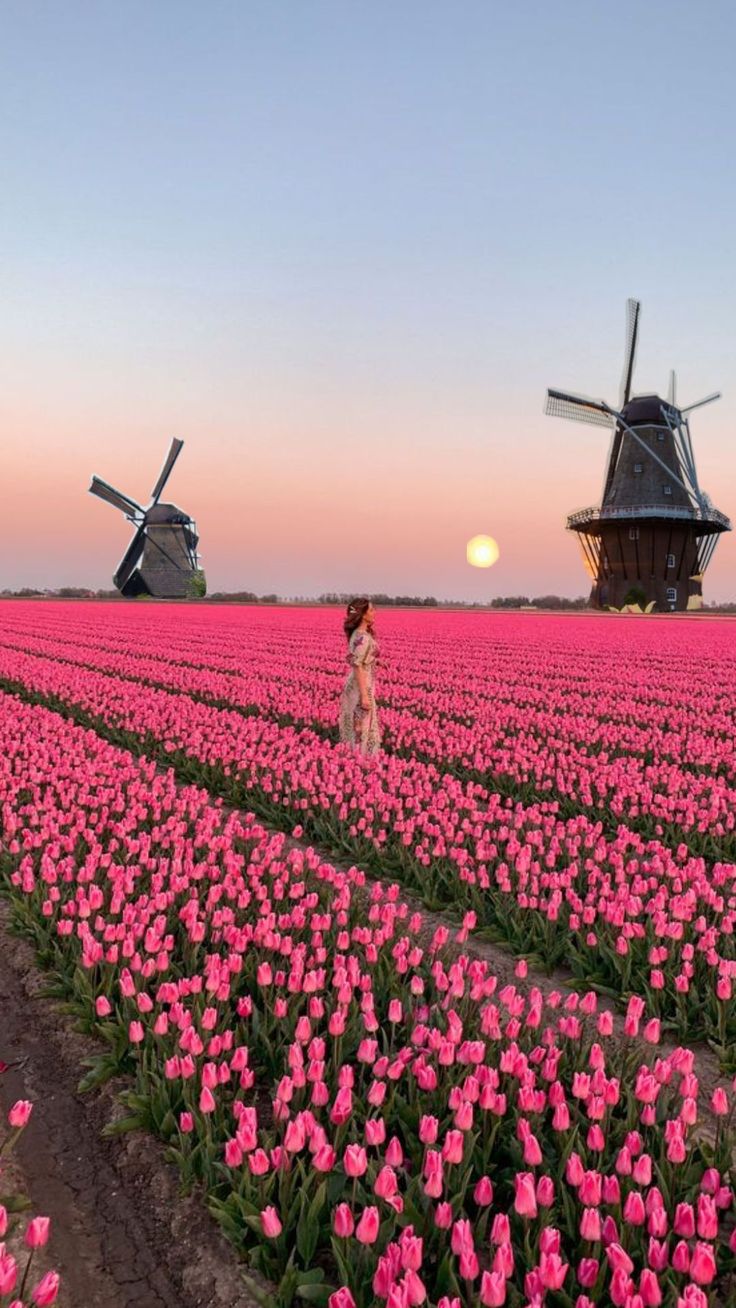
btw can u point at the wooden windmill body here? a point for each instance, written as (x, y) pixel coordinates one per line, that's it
(161, 559)
(652, 537)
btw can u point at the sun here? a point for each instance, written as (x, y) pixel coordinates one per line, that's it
(482, 552)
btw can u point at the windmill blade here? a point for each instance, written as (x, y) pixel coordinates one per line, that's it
(114, 497)
(633, 311)
(699, 403)
(171, 457)
(562, 404)
(672, 392)
(130, 558)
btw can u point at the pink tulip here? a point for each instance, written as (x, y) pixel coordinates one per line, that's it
(46, 1291)
(20, 1113)
(367, 1229)
(270, 1222)
(341, 1298)
(37, 1232)
(587, 1272)
(649, 1289)
(492, 1289)
(702, 1264)
(343, 1221)
(525, 1202)
(355, 1160)
(8, 1272)
(719, 1102)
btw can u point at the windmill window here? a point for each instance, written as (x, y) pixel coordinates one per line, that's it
(670, 560)
(660, 435)
(633, 533)
(671, 594)
(667, 490)
(638, 467)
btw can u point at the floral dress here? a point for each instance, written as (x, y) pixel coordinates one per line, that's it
(356, 726)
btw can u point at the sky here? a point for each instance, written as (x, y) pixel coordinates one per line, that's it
(341, 249)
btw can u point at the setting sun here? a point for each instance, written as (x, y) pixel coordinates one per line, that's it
(482, 552)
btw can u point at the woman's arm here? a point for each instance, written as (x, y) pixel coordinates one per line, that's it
(361, 676)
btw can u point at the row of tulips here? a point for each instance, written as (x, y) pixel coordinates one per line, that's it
(375, 1119)
(641, 703)
(19, 1287)
(629, 915)
(662, 779)
(637, 675)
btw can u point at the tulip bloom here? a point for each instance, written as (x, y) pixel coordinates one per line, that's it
(20, 1113)
(37, 1232)
(355, 1160)
(343, 1222)
(271, 1222)
(46, 1291)
(367, 1229)
(525, 1200)
(492, 1289)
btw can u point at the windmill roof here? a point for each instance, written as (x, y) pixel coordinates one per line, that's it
(644, 409)
(165, 513)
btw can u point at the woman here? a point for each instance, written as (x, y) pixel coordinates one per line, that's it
(358, 715)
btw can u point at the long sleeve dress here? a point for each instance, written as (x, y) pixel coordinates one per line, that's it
(356, 727)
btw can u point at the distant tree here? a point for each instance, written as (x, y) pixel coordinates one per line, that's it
(558, 602)
(635, 595)
(197, 585)
(74, 592)
(509, 601)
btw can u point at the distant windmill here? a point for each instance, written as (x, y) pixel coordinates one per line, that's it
(161, 559)
(655, 531)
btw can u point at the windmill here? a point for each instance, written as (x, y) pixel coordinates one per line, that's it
(161, 559)
(654, 533)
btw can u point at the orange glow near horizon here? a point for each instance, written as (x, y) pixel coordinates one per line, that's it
(298, 507)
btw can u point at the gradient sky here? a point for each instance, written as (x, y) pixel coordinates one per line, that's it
(341, 249)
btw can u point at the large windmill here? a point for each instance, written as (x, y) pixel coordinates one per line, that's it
(654, 534)
(161, 559)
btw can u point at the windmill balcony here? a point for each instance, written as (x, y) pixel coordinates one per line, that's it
(585, 517)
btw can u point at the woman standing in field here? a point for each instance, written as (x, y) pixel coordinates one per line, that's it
(358, 714)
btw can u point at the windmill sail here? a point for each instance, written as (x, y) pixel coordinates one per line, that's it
(115, 497)
(633, 310)
(563, 404)
(129, 560)
(173, 454)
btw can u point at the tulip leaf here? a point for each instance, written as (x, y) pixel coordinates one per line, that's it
(314, 1293)
(124, 1124)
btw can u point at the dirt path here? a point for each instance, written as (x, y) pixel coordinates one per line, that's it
(122, 1235)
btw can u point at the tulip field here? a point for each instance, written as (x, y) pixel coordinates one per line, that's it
(217, 888)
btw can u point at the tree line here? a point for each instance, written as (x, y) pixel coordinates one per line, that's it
(560, 602)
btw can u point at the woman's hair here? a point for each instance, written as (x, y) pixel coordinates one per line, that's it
(356, 611)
